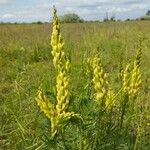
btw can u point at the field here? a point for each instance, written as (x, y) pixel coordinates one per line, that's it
(26, 64)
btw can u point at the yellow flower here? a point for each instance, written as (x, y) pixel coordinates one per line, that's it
(57, 114)
(132, 80)
(103, 94)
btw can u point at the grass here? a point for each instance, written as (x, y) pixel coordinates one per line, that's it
(26, 64)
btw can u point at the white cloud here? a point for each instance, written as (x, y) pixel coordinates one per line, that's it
(79, 3)
(140, 6)
(97, 8)
(119, 10)
(28, 14)
(4, 1)
(8, 16)
(86, 9)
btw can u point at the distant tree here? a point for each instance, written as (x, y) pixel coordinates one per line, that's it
(70, 18)
(148, 13)
(112, 18)
(39, 22)
(128, 19)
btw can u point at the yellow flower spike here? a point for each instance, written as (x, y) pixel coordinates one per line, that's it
(45, 105)
(135, 80)
(58, 114)
(132, 80)
(134, 77)
(102, 91)
(56, 41)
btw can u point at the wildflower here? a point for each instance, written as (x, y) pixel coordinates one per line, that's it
(58, 114)
(103, 94)
(132, 80)
(135, 81)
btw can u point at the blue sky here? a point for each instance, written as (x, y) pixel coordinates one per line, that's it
(34, 10)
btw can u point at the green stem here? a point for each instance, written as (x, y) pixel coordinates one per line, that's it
(97, 129)
(123, 110)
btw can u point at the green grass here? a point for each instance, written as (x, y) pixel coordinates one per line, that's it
(26, 64)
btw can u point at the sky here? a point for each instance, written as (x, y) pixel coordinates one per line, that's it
(41, 10)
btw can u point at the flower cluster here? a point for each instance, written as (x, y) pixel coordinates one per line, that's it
(103, 94)
(132, 78)
(58, 114)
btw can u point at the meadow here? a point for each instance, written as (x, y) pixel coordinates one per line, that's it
(26, 64)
